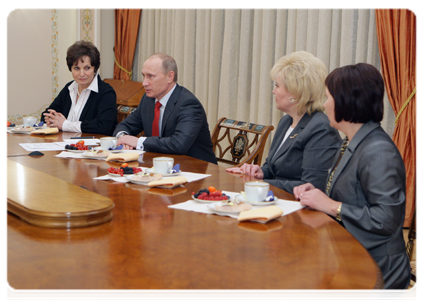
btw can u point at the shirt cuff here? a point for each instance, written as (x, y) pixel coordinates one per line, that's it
(121, 133)
(71, 126)
(140, 144)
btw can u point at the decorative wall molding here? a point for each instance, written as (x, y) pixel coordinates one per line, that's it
(88, 25)
(55, 52)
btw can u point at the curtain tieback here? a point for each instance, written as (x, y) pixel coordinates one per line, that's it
(123, 69)
(405, 104)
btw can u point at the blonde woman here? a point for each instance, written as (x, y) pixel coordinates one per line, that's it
(304, 143)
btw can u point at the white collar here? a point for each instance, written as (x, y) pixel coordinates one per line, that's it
(166, 97)
(93, 86)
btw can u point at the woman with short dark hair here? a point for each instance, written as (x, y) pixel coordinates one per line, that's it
(87, 104)
(365, 190)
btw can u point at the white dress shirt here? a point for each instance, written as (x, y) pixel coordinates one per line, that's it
(288, 132)
(163, 102)
(72, 122)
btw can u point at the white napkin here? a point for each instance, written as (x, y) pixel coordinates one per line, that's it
(114, 178)
(192, 205)
(67, 154)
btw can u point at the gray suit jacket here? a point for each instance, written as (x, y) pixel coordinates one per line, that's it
(370, 183)
(305, 156)
(185, 129)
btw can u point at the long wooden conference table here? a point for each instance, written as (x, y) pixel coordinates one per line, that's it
(144, 244)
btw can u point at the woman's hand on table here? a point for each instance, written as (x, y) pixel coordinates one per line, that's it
(54, 119)
(249, 170)
(315, 199)
(129, 142)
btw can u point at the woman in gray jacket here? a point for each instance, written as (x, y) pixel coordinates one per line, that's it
(304, 143)
(365, 190)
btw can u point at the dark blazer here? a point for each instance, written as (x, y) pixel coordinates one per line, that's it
(306, 155)
(370, 183)
(100, 111)
(184, 127)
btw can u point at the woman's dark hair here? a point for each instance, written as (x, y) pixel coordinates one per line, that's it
(358, 93)
(80, 49)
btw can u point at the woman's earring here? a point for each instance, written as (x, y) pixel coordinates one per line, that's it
(292, 100)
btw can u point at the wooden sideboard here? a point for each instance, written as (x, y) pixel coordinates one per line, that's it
(128, 93)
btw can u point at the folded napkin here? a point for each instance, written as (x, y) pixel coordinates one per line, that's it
(168, 182)
(51, 130)
(167, 192)
(263, 214)
(261, 227)
(123, 157)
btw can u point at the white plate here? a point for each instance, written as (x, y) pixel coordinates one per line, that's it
(164, 174)
(117, 175)
(129, 177)
(263, 203)
(22, 130)
(77, 151)
(206, 201)
(212, 206)
(111, 151)
(126, 175)
(95, 156)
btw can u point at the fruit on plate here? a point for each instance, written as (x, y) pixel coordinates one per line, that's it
(78, 146)
(211, 193)
(124, 170)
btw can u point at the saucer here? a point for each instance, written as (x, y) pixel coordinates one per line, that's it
(261, 203)
(164, 174)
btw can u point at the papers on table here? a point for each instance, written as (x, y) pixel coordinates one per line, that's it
(42, 146)
(192, 205)
(67, 154)
(190, 177)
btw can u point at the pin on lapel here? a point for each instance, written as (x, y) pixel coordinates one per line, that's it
(291, 137)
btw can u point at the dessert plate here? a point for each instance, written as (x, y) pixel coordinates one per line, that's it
(219, 209)
(206, 201)
(151, 170)
(241, 198)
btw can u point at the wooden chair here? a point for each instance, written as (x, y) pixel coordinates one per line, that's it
(410, 246)
(245, 147)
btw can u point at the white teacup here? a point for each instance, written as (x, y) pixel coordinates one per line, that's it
(256, 191)
(29, 121)
(163, 164)
(108, 142)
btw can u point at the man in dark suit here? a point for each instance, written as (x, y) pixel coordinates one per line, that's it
(172, 118)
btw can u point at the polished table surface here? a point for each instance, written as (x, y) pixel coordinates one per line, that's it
(147, 245)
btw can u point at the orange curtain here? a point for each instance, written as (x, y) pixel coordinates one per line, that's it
(396, 34)
(127, 23)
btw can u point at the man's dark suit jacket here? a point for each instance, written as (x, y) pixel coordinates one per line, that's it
(100, 111)
(184, 127)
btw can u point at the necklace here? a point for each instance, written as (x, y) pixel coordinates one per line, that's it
(343, 148)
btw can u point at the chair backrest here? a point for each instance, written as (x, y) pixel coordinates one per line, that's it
(238, 142)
